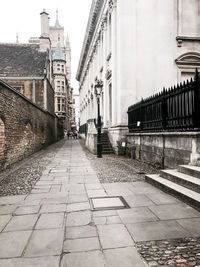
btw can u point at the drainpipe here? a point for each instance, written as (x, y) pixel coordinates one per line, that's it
(34, 91)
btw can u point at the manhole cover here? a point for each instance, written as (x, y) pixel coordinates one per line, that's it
(108, 203)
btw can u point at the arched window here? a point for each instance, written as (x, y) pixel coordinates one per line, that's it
(187, 63)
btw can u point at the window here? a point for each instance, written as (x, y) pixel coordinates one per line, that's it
(58, 67)
(63, 68)
(19, 89)
(58, 101)
(63, 105)
(63, 86)
(58, 86)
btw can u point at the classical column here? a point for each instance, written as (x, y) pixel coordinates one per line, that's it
(113, 6)
(105, 82)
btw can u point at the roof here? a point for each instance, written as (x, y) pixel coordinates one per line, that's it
(57, 24)
(58, 54)
(21, 60)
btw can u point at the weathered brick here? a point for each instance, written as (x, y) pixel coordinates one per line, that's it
(24, 126)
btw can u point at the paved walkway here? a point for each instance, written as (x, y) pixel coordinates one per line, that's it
(54, 225)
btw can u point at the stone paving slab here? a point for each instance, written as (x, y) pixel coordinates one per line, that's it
(78, 218)
(83, 259)
(119, 192)
(4, 219)
(139, 214)
(81, 232)
(82, 244)
(12, 199)
(27, 210)
(156, 230)
(12, 244)
(45, 243)
(126, 257)
(78, 206)
(50, 220)
(114, 236)
(174, 211)
(52, 208)
(93, 186)
(104, 213)
(77, 198)
(138, 201)
(7, 209)
(96, 193)
(162, 198)
(191, 225)
(21, 223)
(32, 262)
(59, 200)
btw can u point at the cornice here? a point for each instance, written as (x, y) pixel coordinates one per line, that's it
(92, 23)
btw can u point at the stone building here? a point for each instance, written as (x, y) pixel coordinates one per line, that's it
(52, 38)
(136, 48)
(76, 110)
(28, 70)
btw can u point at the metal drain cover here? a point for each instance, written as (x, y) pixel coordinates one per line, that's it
(108, 203)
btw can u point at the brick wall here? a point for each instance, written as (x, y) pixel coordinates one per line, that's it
(26, 88)
(24, 127)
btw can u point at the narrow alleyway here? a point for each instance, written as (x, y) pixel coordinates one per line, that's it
(65, 220)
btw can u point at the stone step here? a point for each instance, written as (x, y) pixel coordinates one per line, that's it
(107, 152)
(182, 179)
(185, 194)
(190, 170)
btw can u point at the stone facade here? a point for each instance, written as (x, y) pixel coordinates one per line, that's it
(136, 48)
(164, 150)
(24, 127)
(52, 38)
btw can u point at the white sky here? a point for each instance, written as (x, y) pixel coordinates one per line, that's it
(23, 16)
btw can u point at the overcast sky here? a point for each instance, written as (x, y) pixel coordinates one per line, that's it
(23, 16)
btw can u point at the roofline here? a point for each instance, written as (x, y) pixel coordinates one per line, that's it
(44, 12)
(22, 78)
(63, 60)
(91, 25)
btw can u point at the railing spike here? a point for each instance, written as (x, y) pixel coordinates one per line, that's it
(196, 76)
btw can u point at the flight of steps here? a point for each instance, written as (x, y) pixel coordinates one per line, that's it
(106, 145)
(184, 183)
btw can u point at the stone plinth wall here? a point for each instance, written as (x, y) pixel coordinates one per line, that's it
(91, 138)
(24, 127)
(165, 150)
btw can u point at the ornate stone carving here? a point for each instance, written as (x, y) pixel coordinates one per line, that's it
(110, 3)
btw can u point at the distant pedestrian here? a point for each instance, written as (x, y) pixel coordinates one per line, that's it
(75, 134)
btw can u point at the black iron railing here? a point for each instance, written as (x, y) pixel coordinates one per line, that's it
(173, 109)
(83, 129)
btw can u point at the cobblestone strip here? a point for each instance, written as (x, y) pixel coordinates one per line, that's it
(113, 168)
(184, 252)
(22, 176)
